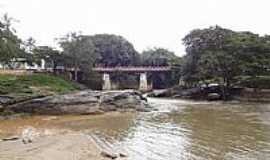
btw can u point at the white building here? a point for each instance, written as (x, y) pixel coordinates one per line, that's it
(20, 63)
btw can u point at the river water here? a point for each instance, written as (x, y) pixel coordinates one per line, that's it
(177, 130)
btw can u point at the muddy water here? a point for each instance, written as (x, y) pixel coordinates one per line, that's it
(177, 130)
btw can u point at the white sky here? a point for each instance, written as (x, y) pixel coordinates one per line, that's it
(145, 23)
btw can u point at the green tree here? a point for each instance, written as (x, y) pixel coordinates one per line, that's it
(79, 52)
(51, 56)
(10, 44)
(211, 55)
(114, 50)
(162, 57)
(224, 56)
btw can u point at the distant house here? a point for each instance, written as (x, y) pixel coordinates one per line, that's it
(21, 64)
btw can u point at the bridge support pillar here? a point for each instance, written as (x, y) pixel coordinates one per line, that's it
(143, 82)
(106, 82)
(181, 82)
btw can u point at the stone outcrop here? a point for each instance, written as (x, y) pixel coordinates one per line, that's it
(198, 93)
(84, 102)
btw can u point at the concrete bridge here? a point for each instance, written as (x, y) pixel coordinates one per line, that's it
(143, 86)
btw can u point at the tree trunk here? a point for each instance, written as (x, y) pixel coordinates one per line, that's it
(224, 89)
(76, 74)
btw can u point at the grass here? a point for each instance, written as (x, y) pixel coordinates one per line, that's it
(34, 85)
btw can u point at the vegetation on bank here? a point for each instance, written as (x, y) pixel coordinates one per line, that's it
(34, 85)
(213, 55)
(226, 57)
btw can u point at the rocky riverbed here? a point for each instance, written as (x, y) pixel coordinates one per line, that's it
(83, 102)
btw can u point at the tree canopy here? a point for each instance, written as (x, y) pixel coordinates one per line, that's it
(162, 57)
(221, 55)
(114, 50)
(10, 44)
(78, 52)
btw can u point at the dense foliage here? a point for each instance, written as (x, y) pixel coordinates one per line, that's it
(114, 50)
(162, 57)
(9, 42)
(221, 55)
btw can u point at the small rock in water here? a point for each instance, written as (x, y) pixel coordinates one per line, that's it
(13, 138)
(108, 154)
(213, 96)
(122, 154)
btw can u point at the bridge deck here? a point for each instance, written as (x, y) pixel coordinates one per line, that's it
(132, 69)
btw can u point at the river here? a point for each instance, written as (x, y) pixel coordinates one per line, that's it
(178, 129)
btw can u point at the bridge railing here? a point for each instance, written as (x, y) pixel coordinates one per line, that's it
(132, 69)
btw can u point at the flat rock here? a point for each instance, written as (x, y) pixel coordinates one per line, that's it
(12, 138)
(84, 102)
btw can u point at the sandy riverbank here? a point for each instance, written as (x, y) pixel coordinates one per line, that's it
(67, 146)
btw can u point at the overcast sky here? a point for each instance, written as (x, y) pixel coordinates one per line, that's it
(145, 23)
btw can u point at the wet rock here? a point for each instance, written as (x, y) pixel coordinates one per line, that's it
(123, 100)
(122, 154)
(13, 138)
(199, 93)
(84, 102)
(213, 96)
(108, 154)
(179, 92)
(159, 93)
(5, 99)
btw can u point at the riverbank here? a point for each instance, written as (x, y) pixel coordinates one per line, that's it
(60, 137)
(67, 146)
(16, 88)
(213, 93)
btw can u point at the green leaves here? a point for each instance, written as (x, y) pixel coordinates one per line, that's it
(218, 53)
(10, 44)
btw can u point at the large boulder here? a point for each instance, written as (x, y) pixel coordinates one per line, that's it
(84, 102)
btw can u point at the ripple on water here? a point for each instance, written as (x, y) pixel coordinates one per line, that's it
(178, 130)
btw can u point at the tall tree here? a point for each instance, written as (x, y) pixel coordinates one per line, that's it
(210, 52)
(79, 52)
(114, 50)
(162, 57)
(9, 42)
(223, 55)
(51, 56)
